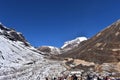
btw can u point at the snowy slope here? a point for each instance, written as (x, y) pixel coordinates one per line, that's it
(68, 45)
(50, 50)
(20, 61)
(54, 50)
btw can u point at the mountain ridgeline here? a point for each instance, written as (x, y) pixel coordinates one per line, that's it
(11, 34)
(21, 61)
(104, 47)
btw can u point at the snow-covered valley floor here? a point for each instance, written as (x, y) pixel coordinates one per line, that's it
(36, 71)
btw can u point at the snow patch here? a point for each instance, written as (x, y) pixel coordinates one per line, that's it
(78, 40)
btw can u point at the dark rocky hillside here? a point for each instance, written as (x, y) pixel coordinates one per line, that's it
(101, 48)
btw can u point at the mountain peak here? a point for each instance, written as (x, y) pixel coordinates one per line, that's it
(103, 47)
(2, 27)
(74, 42)
(49, 50)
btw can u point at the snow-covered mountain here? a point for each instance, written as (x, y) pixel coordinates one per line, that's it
(20, 61)
(104, 46)
(68, 45)
(50, 50)
(102, 50)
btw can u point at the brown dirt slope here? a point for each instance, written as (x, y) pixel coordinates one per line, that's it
(101, 48)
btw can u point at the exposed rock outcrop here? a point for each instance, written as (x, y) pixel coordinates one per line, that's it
(12, 34)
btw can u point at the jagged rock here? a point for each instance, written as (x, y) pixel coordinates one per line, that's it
(4, 28)
(12, 35)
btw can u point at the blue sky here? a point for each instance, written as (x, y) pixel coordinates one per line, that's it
(52, 22)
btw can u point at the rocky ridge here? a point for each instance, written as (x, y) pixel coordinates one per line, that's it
(20, 61)
(103, 50)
